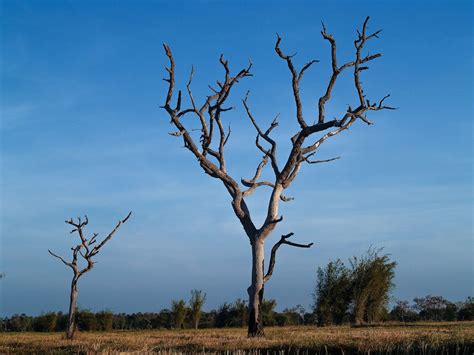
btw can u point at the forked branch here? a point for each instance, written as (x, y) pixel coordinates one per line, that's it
(82, 248)
(295, 80)
(212, 160)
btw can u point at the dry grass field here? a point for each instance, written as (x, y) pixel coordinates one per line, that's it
(419, 338)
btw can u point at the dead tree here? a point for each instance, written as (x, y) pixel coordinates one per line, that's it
(86, 250)
(210, 149)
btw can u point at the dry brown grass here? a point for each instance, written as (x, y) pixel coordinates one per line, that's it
(422, 338)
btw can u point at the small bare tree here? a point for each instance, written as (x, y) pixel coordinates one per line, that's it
(87, 251)
(211, 158)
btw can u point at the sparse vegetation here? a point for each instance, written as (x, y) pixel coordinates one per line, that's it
(426, 338)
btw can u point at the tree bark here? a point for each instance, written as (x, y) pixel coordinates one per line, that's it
(359, 311)
(71, 323)
(255, 291)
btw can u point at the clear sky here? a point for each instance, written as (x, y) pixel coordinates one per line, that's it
(82, 133)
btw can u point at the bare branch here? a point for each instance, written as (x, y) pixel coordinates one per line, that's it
(258, 172)
(305, 67)
(316, 145)
(381, 106)
(229, 131)
(176, 134)
(253, 187)
(335, 72)
(265, 135)
(213, 107)
(306, 159)
(283, 240)
(170, 78)
(286, 199)
(96, 249)
(295, 80)
(93, 239)
(60, 258)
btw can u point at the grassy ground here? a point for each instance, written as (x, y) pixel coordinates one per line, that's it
(419, 338)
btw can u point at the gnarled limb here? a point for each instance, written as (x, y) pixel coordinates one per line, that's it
(295, 80)
(96, 249)
(309, 161)
(265, 135)
(283, 240)
(60, 258)
(213, 106)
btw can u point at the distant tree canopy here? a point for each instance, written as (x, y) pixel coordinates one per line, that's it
(178, 311)
(198, 298)
(435, 308)
(227, 315)
(359, 293)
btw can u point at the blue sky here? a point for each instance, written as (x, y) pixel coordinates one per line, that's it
(82, 133)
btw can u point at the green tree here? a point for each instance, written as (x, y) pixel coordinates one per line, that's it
(372, 276)
(403, 312)
(223, 315)
(19, 323)
(240, 309)
(431, 307)
(198, 298)
(466, 309)
(291, 316)
(332, 294)
(178, 311)
(268, 311)
(61, 322)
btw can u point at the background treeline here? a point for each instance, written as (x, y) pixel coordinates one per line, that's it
(179, 316)
(429, 308)
(357, 293)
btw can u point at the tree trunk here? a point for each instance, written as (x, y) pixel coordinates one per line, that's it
(255, 291)
(71, 324)
(359, 311)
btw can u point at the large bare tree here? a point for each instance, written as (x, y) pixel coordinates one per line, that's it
(210, 149)
(86, 250)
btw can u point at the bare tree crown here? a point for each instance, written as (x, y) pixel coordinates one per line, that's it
(212, 157)
(210, 150)
(86, 247)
